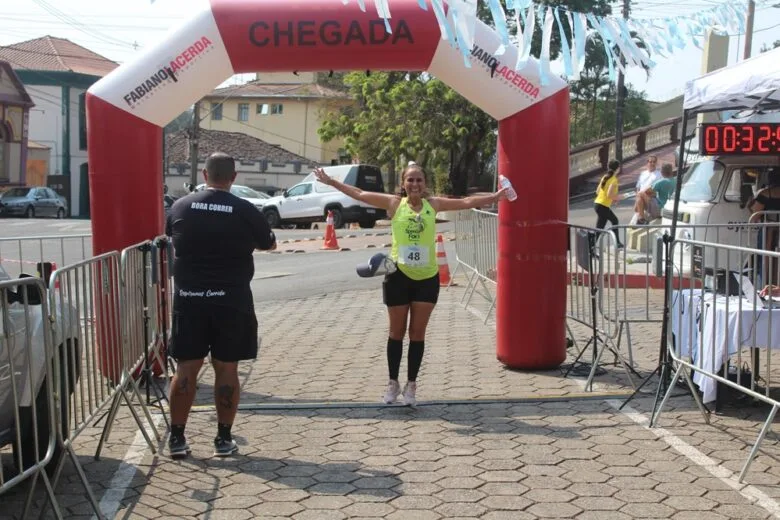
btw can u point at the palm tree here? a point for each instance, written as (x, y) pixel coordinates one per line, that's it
(594, 83)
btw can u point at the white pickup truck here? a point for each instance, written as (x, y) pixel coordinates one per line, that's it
(310, 201)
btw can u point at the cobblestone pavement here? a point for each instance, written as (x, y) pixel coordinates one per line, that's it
(486, 442)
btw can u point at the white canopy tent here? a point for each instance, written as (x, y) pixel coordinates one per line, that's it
(750, 84)
(754, 85)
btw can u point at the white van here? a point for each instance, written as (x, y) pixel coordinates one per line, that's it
(309, 200)
(717, 189)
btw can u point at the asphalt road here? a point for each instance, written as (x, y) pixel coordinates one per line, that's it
(277, 277)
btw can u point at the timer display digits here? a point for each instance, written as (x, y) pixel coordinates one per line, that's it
(739, 138)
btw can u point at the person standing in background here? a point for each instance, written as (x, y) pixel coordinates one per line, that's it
(214, 237)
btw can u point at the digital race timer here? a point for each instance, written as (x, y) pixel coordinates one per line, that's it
(739, 138)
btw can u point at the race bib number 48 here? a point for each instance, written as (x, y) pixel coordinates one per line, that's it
(413, 256)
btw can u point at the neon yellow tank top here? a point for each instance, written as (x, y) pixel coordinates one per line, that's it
(602, 195)
(414, 241)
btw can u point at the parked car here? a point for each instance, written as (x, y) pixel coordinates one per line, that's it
(32, 201)
(310, 201)
(32, 391)
(245, 192)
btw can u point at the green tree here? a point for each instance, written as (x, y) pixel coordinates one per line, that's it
(411, 116)
(182, 121)
(593, 97)
(331, 79)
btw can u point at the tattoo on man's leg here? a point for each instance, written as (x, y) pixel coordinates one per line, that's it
(182, 387)
(225, 393)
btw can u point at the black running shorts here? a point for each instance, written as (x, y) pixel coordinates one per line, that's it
(229, 335)
(399, 289)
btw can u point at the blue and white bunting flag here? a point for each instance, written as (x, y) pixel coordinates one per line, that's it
(565, 52)
(652, 37)
(528, 34)
(444, 23)
(544, 57)
(499, 19)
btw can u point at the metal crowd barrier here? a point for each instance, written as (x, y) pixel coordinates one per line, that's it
(138, 312)
(26, 371)
(146, 317)
(592, 298)
(162, 272)
(86, 311)
(23, 254)
(476, 252)
(721, 327)
(640, 266)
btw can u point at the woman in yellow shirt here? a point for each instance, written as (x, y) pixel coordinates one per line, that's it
(606, 195)
(411, 292)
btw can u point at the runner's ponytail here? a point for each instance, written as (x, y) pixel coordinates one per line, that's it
(611, 170)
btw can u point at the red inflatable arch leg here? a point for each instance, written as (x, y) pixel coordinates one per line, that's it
(127, 109)
(531, 301)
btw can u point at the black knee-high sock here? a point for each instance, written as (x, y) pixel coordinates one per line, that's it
(394, 352)
(416, 350)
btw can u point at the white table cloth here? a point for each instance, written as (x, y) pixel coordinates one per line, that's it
(707, 326)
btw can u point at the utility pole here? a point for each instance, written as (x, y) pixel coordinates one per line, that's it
(620, 102)
(164, 161)
(194, 135)
(751, 14)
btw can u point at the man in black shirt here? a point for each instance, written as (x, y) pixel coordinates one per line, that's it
(214, 235)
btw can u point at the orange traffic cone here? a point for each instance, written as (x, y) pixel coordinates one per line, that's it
(331, 242)
(444, 267)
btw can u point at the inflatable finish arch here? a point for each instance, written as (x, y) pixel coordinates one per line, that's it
(127, 109)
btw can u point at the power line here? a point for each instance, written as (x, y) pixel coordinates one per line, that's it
(49, 98)
(75, 23)
(55, 54)
(112, 16)
(757, 30)
(40, 22)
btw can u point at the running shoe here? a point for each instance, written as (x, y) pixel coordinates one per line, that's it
(178, 447)
(409, 393)
(392, 392)
(224, 448)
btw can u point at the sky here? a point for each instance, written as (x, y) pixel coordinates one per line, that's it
(118, 30)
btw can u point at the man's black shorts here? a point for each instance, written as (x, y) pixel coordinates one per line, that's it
(230, 335)
(399, 289)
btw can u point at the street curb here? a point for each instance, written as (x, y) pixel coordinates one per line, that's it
(383, 245)
(589, 396)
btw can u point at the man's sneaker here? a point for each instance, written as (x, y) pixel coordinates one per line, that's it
(223, 448)
(178, 447)
(409, 393)
(391, 394)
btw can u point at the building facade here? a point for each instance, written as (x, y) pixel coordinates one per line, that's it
(57, 73)
(259, 165)
(283, 109)
(15, 105)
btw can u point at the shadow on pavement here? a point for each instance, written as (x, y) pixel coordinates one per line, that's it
(69, 491)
